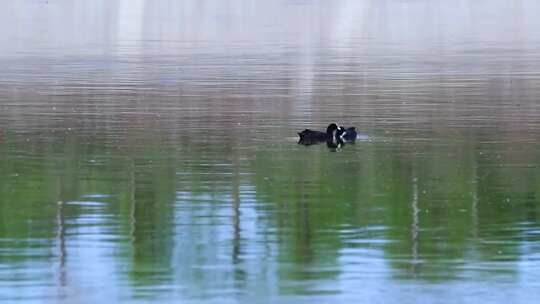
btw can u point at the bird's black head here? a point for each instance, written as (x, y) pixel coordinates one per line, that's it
(331, 128)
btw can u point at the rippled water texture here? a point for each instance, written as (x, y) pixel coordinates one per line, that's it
(148, 151)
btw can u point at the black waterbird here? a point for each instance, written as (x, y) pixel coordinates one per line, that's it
(310, 137)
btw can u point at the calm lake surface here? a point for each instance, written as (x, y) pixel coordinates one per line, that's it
(148, 151)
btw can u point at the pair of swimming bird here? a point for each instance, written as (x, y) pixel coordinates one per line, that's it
(333, 134)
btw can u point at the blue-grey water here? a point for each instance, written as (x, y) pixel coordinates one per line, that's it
(148, 151)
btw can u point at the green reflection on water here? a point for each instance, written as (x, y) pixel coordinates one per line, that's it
(208, 219)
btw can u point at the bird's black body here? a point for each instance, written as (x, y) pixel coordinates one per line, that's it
(335, 137)
(310, 137)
